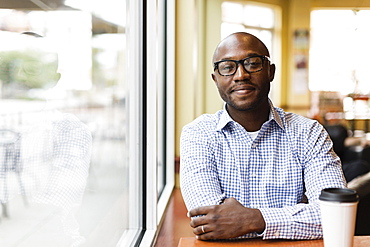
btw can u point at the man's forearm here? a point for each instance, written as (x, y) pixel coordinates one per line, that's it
(228, 220)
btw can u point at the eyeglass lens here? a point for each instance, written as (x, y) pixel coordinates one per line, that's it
(250, 64)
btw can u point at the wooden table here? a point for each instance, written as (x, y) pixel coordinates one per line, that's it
(360, 241)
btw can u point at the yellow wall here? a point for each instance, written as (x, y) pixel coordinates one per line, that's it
(184, 76)
(198, 33)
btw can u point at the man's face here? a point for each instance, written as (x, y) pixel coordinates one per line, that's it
(36, 69)
(243, 91)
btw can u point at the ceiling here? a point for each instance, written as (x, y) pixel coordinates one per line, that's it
(33, 4)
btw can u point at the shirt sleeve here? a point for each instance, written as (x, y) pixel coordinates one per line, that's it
(322, 169)
(198, 172)
(69, 167)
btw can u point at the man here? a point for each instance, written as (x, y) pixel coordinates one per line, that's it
(53, 158)
(246, 170)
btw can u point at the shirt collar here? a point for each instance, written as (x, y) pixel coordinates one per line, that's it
(274, 115)
(225, 117)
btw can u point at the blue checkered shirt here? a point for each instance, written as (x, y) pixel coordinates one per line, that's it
(292, 156)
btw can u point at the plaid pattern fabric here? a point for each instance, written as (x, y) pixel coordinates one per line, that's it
(53, 158)
(51, 161)
(290, 157)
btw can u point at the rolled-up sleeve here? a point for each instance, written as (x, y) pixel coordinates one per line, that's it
(199, 180)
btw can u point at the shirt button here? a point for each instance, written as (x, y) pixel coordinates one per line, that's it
(254, 145)
(276, 234)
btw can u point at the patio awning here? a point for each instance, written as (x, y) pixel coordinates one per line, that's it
(99, 25)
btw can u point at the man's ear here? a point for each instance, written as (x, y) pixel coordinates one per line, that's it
(272, 69)
(57, 77)
(213, 77)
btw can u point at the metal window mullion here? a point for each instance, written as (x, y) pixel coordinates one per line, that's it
(135, 101)
(151, 120)
(168, 39)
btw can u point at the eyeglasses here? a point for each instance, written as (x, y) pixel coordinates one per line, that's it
(251, 64)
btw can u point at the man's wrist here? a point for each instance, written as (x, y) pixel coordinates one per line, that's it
(260, 223)
(256, 223)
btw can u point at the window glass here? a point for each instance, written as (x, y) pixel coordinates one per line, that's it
(257, 20)
(338, 57)
(228, 28)
(258, 16)
(64, 175)
(232, 12)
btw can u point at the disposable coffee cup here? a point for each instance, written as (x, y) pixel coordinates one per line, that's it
(338, 216)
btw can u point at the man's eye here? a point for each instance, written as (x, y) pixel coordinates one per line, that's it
(253, 64)
(227, 67)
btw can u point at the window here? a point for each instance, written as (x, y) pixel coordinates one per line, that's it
(112, 188)
(261, 20)
(338, 51)
(159, 127)
(90, 203)
(254, 19)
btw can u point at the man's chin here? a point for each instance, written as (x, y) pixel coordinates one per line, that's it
(243, 107)
(248, 105)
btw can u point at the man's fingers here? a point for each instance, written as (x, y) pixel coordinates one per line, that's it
(229, 200)
(203, 232)
(199, 211)
(206, 236)
(206, 209)
(198, 221)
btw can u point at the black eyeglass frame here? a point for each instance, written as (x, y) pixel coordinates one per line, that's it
(264, 58)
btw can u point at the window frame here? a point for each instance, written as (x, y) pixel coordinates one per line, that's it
(135, 54)
(168, 36)
(150, 41)
(160, 51)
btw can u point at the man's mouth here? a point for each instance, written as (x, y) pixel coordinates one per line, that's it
(243, 89)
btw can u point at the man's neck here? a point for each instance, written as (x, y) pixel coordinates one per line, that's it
(251, 120)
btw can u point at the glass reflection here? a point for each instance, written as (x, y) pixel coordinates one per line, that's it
(64, 169)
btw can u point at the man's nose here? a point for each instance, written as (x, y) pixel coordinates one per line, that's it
(20, 72)
(241, 72)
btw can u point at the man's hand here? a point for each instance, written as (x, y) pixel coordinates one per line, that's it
(228, 220)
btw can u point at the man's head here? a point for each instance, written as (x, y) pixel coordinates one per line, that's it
(28, 61)
(242, 71)
(39, 62)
